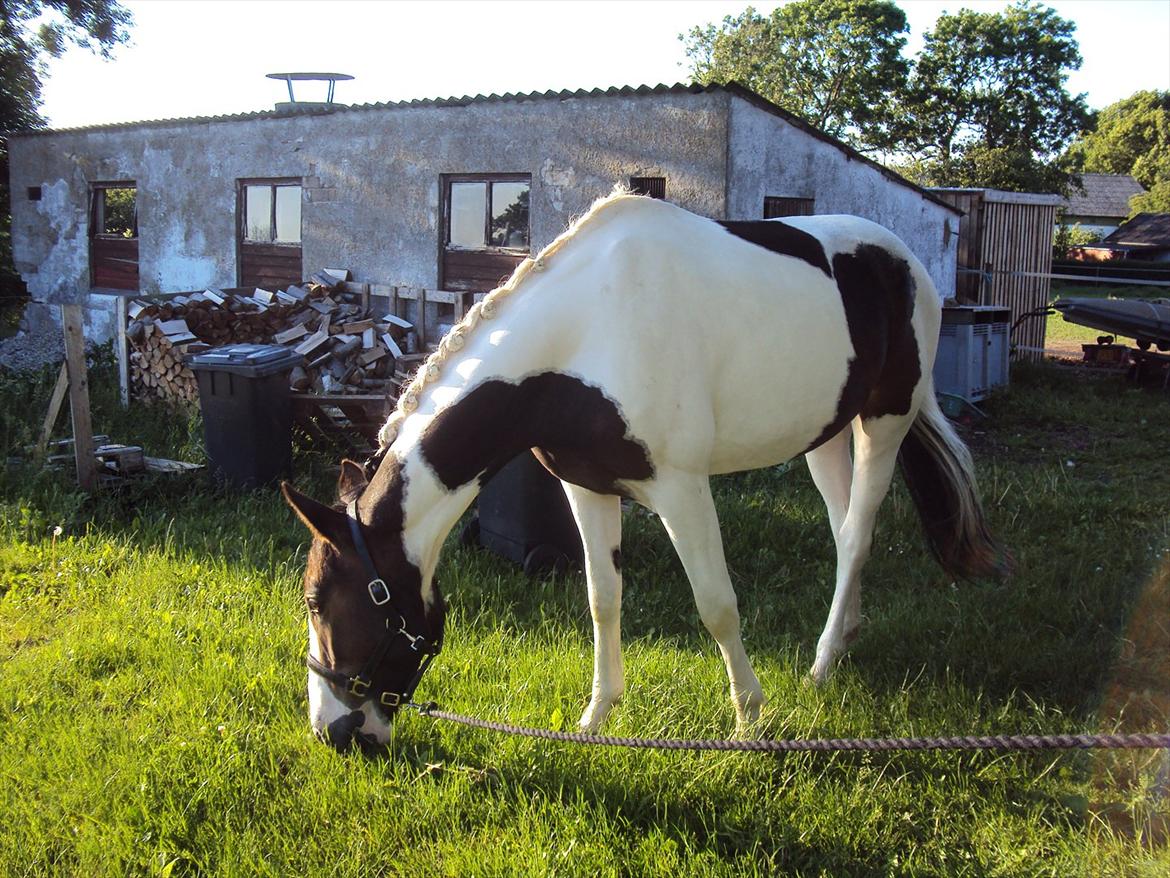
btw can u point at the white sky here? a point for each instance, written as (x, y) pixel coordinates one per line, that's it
(196, 58)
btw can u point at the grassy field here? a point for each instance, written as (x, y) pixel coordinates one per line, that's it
(152, 683)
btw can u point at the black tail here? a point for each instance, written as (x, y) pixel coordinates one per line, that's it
(939, 473)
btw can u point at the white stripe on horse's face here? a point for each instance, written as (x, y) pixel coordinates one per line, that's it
(325, 707)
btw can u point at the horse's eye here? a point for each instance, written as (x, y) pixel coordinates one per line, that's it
(313, 606)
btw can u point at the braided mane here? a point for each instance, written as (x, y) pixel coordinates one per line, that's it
(485, 309)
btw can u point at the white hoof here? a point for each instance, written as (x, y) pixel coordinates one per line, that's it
(594, 716)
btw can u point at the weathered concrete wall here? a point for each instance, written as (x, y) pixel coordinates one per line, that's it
(769, 156)
(370, 177)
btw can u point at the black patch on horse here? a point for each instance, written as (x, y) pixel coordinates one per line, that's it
(781, 238)
(574, 429)
(877, 291)
(617, 560)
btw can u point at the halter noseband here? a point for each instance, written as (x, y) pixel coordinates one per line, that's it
(360, 685)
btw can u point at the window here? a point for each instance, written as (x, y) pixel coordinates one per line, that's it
(775, 206)
(486, 229)
(270, 253)
(272, 212)
(488, 213)
(655, 187)
(113, 235)
(115, 210)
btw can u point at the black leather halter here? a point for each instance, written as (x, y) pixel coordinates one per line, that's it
(360, 685)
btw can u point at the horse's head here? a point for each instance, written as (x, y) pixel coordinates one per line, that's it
(371, 633)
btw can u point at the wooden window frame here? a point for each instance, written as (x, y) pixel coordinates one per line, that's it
(771, 202)
(445, 227)
(654, 187)
(242, 209)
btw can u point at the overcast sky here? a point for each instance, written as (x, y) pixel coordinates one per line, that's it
(195, 57)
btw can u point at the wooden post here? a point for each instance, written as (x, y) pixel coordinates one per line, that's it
(122, 350)
(87, 474)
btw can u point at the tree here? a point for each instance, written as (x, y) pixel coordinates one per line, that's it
(987, 104)
(836, 63)
(1132, 136)
(31, 31)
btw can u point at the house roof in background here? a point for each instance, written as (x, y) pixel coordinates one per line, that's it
(1104, 195)
(1144, 230)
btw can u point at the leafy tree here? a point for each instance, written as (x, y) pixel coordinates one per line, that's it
(31, 31)
(987, 104)
(1132, 136)
(836, 63)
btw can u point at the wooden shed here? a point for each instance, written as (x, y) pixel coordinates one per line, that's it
(1005, 255)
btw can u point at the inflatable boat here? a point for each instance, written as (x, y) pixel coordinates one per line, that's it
(1147, 321)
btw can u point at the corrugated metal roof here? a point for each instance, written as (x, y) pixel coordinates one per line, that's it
(520, 97)
(1105, 195)
(1144, 230)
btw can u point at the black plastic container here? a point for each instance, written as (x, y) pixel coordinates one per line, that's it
(247, 412)
(525, 516)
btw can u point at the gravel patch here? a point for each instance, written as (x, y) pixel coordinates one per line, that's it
(31, 350)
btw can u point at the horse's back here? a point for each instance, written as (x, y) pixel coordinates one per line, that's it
(740, 345)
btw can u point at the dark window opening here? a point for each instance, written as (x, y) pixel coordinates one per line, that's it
(655, 187)
(34, 193)
(113, 235)
(486, 229)
(775, 206)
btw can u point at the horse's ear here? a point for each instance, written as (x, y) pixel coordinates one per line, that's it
(329, 524)
(352, 480)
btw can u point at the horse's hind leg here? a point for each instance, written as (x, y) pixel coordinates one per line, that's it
(875, 450)
(831, 467)
(599, 519)
(683, 502)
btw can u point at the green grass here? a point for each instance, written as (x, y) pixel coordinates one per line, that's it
(152, 683)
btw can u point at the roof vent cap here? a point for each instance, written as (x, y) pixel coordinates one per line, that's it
(293, 105)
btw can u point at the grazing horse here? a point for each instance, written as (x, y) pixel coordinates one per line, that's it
(641, 352)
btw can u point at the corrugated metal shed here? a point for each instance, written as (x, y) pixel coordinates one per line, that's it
(1005, 255)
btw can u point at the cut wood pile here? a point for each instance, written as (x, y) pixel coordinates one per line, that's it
(348, 349)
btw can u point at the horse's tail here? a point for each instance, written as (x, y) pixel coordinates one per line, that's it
(939, 473)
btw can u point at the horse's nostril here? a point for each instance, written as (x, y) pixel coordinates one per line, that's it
(339, 733)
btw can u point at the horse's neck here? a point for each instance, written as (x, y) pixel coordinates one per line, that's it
(452, 439)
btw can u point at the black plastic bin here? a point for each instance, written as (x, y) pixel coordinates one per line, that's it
(525, 516)
(247, 412)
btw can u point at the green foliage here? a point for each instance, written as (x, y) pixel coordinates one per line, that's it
(30, 32)
(986, 103)
(1131, 136)
(1067, 236)
(836, 63)
(1156, 200)
(153, 707)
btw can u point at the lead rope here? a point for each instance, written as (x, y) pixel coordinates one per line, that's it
(823, 745)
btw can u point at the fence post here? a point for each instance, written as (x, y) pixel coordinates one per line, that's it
(87, 474)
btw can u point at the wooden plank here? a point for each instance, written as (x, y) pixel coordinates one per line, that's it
(54, 411)
(87, 472)
(122, 350)
(291, 334)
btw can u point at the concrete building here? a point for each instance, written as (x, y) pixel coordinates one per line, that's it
(440, 194)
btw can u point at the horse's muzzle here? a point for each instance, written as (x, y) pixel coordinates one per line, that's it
(339, 734)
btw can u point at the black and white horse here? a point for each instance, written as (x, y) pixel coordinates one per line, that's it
(611, 355)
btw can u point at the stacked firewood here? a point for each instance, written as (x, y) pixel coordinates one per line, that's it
(347, 349)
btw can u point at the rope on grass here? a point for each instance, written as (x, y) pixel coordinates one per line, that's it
(822, 745)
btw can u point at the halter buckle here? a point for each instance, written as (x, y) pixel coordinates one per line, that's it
(379, 593)
(358, 687)
(390, 699)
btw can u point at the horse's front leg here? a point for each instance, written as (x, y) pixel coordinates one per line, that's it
(599, 519)
(683, 501)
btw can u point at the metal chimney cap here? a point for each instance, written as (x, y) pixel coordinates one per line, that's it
(331, 78)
